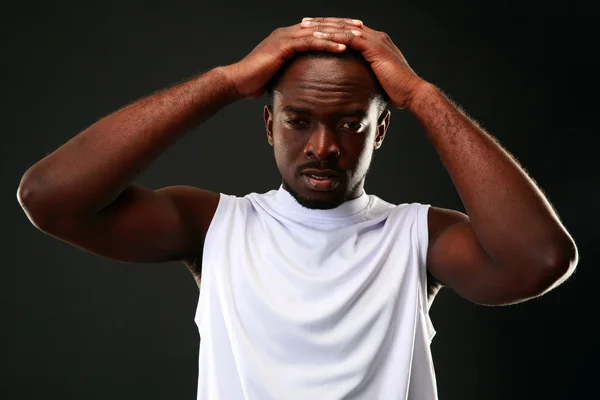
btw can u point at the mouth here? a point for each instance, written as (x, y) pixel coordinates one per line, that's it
(321, 180)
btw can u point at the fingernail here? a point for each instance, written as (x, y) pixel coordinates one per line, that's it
(357, 21)
(356, 33)
(306, 19)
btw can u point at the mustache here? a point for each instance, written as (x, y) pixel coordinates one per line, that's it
(326, 164)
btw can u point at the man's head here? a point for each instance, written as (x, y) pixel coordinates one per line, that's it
(327, 114)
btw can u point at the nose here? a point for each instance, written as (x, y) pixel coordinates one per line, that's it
(322, 144)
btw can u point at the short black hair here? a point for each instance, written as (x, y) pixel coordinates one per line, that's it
(381, 95)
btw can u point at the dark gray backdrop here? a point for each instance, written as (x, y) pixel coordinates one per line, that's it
(76, 326)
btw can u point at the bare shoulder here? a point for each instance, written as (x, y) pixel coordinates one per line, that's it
(143, 225)
(438, 221)
(198, 207)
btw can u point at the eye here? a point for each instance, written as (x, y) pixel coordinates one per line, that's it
(353, 126)
(296, 123)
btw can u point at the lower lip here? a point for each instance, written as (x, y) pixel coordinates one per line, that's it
(321, 185)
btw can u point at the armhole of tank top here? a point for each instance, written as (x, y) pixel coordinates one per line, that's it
(220, 214)
(423, 243)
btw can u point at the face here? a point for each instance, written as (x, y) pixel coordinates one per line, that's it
(324, 126)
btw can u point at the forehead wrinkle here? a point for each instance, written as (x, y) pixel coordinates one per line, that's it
(310, 96)
(329, 104)
(324, 104)
(328, 74)
(331, 85)
(326, 83)
(313, 93)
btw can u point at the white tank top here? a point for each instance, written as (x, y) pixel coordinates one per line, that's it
(315, 304)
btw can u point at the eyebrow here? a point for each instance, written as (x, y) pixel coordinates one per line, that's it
(349, 113)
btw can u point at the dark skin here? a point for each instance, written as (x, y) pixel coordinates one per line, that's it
(509, 248)
(324, 118)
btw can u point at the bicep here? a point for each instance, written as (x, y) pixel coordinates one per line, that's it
(457, 259)
(144, 225)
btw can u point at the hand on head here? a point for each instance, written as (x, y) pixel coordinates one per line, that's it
(250, 76)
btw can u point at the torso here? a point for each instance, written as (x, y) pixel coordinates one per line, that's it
(438, 220)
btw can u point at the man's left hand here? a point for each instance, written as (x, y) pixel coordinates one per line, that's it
(397, 78)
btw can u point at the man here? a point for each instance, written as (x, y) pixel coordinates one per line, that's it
(315, 290)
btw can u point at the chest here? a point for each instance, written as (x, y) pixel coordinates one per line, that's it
(317, 290)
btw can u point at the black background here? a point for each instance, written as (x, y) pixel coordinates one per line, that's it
(77, 326)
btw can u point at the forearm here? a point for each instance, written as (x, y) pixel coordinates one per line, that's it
(509, 214)
(93, 168)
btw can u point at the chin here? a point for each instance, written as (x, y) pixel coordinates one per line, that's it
(318, 204)
(316, 200)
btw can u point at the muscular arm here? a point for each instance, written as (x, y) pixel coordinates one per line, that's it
(512, 246)
(83, 192)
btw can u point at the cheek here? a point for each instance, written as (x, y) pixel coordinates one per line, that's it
(362, 157)
(284, 151)
(365, 158)
(286, 145)
(280, 148)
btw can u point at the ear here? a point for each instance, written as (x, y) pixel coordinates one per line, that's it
(268, 117)
(382, 125)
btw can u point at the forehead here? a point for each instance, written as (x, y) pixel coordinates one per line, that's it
(326, 85)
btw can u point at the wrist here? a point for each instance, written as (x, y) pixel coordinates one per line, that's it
(227, 72)
(421, 92)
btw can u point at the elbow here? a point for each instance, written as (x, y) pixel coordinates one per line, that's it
(25, 196)
(555, 266)
(31, 201)
(564, 259)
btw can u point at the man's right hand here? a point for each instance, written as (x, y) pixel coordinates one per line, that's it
(83, 193)
(249, 76)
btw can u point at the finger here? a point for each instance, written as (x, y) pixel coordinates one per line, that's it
(343, 24)
(338, 35)
(307, 43)
(331, 21)
(330, 27)
(357, 39)
(334, 20)
(339, 25)
(328, 30)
